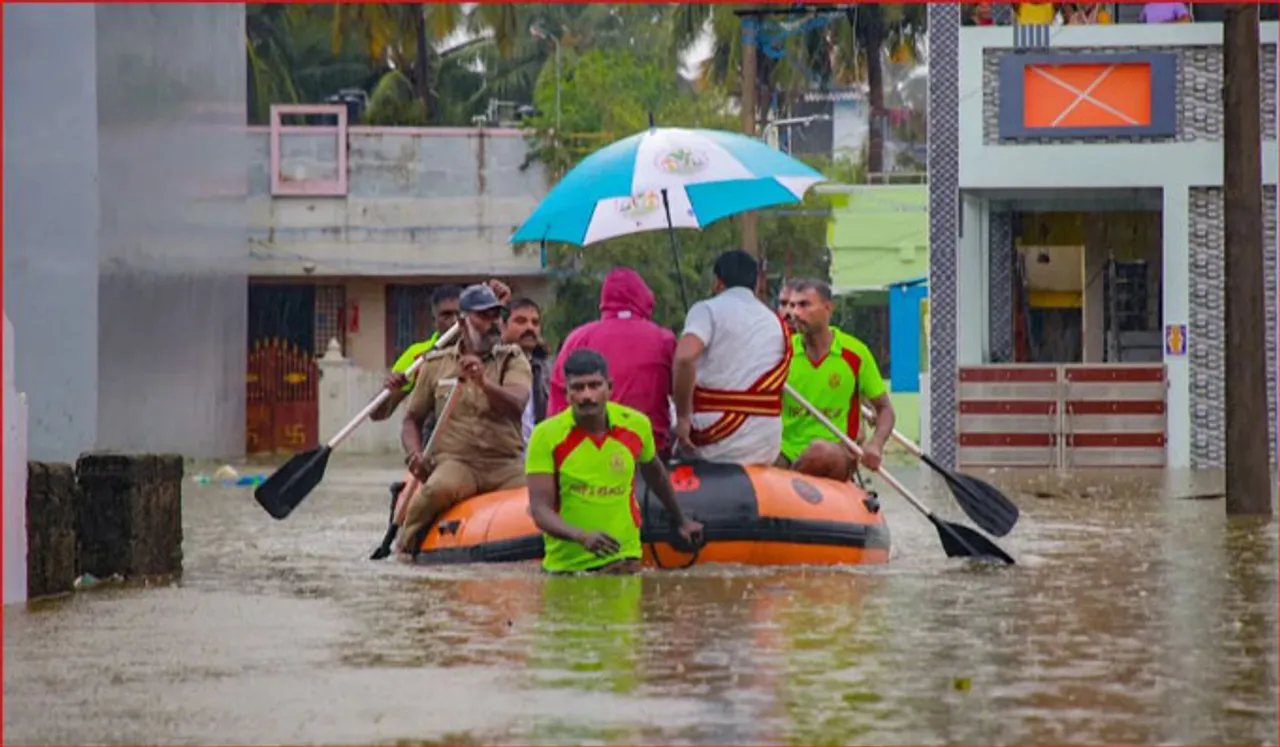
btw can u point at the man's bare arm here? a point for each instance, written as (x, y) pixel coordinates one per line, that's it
(389, 405)
(542, 504)
(659, 481)
(885, 418)
(685, 373)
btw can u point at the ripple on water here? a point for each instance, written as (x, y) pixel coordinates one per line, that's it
(1130, 618)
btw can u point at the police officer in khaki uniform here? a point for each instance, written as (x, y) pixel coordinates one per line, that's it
(479, 448)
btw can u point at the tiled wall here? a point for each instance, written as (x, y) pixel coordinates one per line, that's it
(1199, 101)
(1206, 334)
(1000, 286)
(944, 217)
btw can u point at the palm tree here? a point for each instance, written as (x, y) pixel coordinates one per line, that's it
(270, 56)
(402, 35)
(852, 47)
(515, 58)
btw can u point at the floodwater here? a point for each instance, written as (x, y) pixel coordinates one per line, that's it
(1135, 615)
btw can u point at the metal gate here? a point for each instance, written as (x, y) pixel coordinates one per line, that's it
(1074, 415)
(282, 411)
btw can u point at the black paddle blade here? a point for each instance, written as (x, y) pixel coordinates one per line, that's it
(982, 502)
(384, 550)
(959, 541)
(287, 486)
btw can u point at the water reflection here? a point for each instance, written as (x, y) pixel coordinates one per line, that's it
(1131, 618)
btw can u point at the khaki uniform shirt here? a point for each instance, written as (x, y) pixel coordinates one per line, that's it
(474, 432)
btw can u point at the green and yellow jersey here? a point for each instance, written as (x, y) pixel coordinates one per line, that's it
(835, 385)
(595, 482)
(410, 354)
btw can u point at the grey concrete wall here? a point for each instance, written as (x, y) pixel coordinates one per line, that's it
(125, 242)
(172, 157)
(51, 221)
(420, 201)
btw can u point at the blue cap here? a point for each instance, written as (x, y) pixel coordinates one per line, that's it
(478, 297)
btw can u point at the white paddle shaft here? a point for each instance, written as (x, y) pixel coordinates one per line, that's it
(906, 443)
(364, 414)
(852, 446)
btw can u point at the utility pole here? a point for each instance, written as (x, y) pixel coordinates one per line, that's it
(1248, 450)
(750, 27)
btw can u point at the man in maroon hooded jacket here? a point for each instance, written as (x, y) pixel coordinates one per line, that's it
(639, 352)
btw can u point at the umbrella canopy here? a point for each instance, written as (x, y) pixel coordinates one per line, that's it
(706, 174)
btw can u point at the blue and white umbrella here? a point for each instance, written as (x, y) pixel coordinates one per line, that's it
(704, 175)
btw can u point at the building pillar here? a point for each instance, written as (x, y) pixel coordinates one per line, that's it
(972, 319)
(944, 229)
(1000, 285)
(1195, 238)
(1176, 294)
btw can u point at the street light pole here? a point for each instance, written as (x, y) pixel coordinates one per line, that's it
(1248, 450)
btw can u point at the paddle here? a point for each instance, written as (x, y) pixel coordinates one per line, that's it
(958, 541)
(983, 502)
(397, 510)
(296, 478)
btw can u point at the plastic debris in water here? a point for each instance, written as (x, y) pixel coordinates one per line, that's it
(226, 472)
(229, 478)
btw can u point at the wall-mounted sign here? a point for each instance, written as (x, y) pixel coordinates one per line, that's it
(1059, 95)
(1175, 340)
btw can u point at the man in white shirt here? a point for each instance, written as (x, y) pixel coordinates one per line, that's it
(731, 364)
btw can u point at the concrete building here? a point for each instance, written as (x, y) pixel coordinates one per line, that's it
(1076, 232)
(125, 225)
(351, 230)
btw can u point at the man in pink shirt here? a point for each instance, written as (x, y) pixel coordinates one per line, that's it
(639, 353)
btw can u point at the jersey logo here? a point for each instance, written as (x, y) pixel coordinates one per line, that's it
(617, 464)
(834, 381)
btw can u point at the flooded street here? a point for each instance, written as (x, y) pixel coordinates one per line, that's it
(1134, 616)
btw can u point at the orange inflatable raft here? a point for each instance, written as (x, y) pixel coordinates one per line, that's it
(765, 516)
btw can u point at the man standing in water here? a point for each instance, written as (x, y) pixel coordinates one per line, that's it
(835, 372)
(731, 363)
(580, 469)
(479, 448)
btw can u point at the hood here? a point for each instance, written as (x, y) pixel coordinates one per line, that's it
(625, 295)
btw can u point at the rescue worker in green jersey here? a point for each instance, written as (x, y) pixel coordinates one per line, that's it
(784, 303)
(444, 307)
(580, 469)
(835, 372)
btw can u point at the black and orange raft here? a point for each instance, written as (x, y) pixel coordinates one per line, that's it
(764, 516)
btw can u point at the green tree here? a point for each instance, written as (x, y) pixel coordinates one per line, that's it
(853, 47)
(271, 58)
(403, 35)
